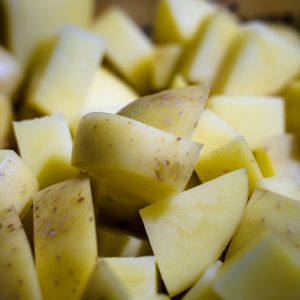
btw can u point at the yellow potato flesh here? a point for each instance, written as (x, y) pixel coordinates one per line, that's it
(176, 110)
(19, 279)
(197, 223)
(268, 268)
(64, 238)
(143, 161)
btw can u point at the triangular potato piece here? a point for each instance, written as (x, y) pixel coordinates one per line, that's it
(190, 231)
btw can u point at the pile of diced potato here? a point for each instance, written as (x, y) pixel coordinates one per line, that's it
(146, 167)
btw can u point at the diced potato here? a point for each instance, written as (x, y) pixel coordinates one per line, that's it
(233, 156)
(17, 183)
(280, 156)
(112, 243)
(128, 48)
(177, 21)
(212, 132)
(286, 186)
(64, 238)
(207, 50)
(203, 290)
(6, 115)
(28, 23)
(19, 279)
(267, 269)
(165, 61)
(267, 210)
(11, 73)
(137, 274)
(141, 160)
(259, 62)
(176, 110)
(240, 111)
(107, 93)
(51, 163)
(60, 82)
(104, 284)
(292, 107)
(189, 232)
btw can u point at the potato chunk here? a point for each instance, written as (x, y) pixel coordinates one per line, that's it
(141, 160)
(18, 276)
(190, 231)
(64, 237)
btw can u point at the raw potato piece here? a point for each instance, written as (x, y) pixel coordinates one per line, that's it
(104, 284)
(6, 115)
(268, 210)
(207, 50)
(212, 132)
(286, 186)
(137, 274)
(176, 110)
(178, 82)
(28, 23)
(18, 275)
(141, 160)
(17, 183)
(176, 21)
(268, 268)
(128, 48)
(280, 156)
(165, 61)
(45, 145)
(189, 232)
(240, 111)
(107, 93)
(61, 82)
(259, 62)
(203, 289)
(11, 73)
(64, 237)
(233, 156)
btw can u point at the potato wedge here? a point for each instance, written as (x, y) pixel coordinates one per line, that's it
(64, 238)
(190, 231)
(19, 279)
(17, 183)
(141, 160)
(176, 110)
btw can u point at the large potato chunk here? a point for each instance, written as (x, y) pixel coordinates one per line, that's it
(266, 269)
(51, 163)
(176, 110)
(18, 275)
(240, 111)
(128, 48)
(268, 210)
(259, 62)
(178, 20)
(61, 80)
(17, 182)
(64, 237)
(233, 156)
(141, 160)
(28, 23)
(190, 231)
